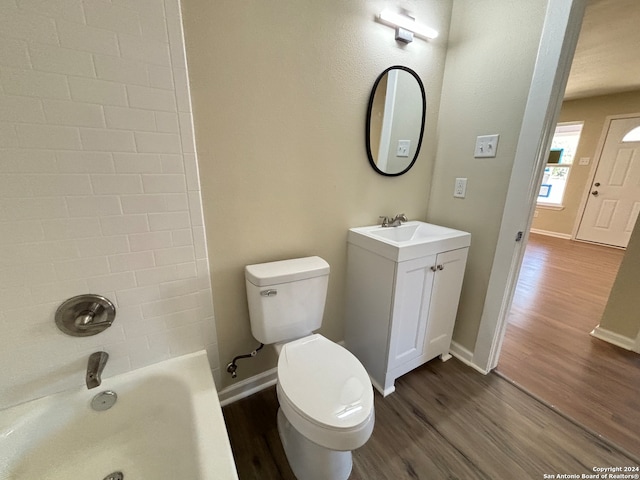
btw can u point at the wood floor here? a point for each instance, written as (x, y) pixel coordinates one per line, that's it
(561, 295)
(445, 421)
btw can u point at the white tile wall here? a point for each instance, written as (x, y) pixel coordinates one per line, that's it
(98, 190)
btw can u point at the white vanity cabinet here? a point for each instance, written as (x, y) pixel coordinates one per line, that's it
(401, 314)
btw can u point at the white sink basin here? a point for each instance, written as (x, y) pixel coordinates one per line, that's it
(409, 240)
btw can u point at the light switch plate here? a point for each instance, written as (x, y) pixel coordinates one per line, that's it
(486, 146)
(403, 148)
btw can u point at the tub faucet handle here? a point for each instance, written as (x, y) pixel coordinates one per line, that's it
(97, 362)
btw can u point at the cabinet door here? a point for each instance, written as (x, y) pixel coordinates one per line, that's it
(414, 281)
(445, 296)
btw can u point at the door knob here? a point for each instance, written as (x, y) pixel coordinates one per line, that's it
(594, 193)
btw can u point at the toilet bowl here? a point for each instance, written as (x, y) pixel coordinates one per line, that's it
(325, 394)
(326, 407)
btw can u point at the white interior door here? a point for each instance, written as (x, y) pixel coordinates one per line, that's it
(614, 200)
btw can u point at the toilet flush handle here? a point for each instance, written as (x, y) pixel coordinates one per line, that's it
(272, 292)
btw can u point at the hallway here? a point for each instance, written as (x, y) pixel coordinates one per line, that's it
(548, 351)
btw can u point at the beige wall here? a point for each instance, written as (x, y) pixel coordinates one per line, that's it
(486, 83)
(593, 112)
(621, 313)
(280, 93)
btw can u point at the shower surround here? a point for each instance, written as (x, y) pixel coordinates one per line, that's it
(99, 190)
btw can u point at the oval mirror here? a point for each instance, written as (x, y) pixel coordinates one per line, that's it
(395, 121)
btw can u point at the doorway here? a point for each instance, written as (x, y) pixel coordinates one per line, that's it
(613, 202)
(534, 141)
(570, 379)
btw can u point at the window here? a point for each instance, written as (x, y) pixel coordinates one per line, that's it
(556, 173)
(632, 136)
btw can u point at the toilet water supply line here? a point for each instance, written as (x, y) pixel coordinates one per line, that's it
(232, 367)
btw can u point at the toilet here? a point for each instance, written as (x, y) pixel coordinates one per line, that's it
(325, 395)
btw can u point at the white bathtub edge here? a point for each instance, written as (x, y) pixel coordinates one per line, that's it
(215, 449)
(192, 371)
(247, 387)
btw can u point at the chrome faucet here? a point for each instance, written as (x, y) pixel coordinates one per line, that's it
(97, 362)
(393, 222)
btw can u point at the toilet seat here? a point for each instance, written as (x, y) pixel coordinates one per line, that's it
(325, 392)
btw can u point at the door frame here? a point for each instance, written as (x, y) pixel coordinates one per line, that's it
(560, 31)
(594, 169)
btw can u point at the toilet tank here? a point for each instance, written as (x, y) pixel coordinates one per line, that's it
(286, 298)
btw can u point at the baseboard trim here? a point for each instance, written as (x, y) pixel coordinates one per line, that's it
(248, 387)
(269, 378)
(548, 233)
(614, 338)
(465, 356)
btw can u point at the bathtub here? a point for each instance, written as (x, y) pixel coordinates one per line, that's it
(166, 424)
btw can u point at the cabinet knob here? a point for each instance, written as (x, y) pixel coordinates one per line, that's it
(440, 267)
(433, 268)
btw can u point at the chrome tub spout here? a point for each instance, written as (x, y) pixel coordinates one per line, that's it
(97, 362)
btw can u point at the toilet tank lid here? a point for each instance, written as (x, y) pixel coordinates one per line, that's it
(285, 271)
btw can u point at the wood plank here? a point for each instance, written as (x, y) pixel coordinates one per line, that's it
(255, 442)
(445, 421)
(548, 350)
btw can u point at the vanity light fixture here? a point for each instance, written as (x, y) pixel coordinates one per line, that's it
(406, 26)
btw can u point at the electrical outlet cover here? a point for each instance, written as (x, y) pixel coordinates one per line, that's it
(460, 188)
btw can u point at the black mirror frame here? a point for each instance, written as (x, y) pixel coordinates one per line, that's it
(368, 122)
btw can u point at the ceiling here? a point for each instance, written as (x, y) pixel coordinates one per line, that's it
(607, 58)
